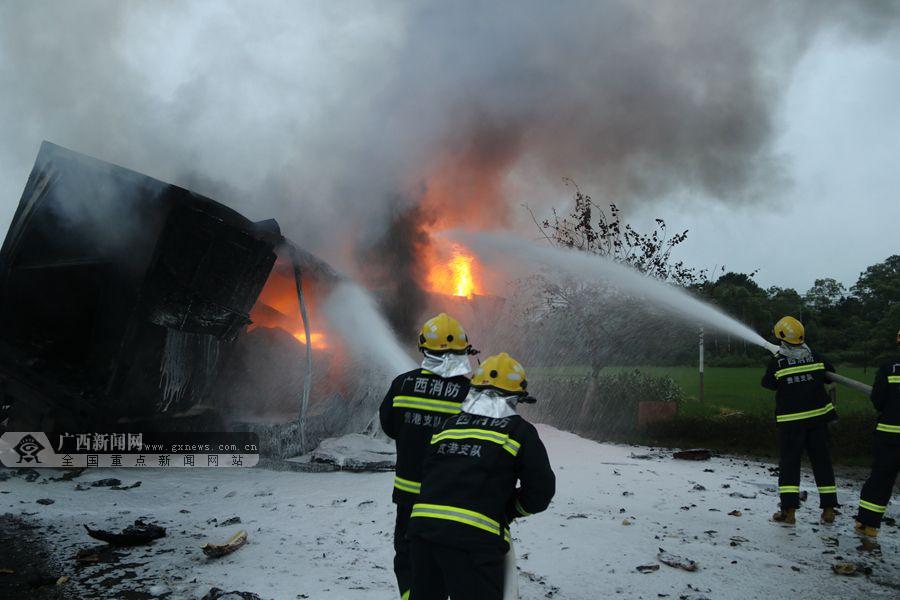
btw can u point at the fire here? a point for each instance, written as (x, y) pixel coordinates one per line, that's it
(278, 307)
(318, 339)
(456, 276)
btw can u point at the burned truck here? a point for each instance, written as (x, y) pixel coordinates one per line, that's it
(131, 303)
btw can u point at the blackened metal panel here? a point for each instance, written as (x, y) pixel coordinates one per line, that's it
(206, 273)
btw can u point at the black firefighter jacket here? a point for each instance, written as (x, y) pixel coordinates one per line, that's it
(416, 405)
(886, 399)
(469, 495)
(799, 384)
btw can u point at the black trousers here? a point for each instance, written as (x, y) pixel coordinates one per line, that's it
(402, 564)
(439, 571)
(793, 440)
(876, 492)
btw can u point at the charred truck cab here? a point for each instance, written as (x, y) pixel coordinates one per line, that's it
(123, 297)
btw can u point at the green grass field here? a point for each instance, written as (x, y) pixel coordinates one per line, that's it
(729, 389)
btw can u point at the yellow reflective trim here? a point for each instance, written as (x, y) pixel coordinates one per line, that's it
(828, 489)
(407, 485)
(876, 508)
(789, 489)
(506, 535)
(405, 595)
(888, 428)
(521, 510)
(818, 412)
(799, 369)
(428, 404)
(459, 515)
(893, 378)
(487, 435)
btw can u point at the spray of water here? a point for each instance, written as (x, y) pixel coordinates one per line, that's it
(520, 258)
(353, 313)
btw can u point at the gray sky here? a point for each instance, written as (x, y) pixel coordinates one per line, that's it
(840, 137)
(766, 128)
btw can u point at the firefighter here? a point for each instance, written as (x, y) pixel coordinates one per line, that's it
(877, 490)
(459, 527)
(803, 410)
(415, 406)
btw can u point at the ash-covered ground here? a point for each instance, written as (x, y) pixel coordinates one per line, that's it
(328, 535)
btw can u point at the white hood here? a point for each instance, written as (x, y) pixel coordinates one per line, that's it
(801, 352)
(448, 364)
(489, 403)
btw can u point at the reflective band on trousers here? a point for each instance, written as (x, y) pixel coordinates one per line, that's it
(509, 444)
(429, 404)
(460, 515)
(799, 369)
(407, 485)
(893, 378)
(806, 415)
(828, 489)
(789, 489)
(888, 428)
(405, 595)
(876, 508)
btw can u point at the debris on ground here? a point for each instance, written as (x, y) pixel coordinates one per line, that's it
(647, 568)
(219, 550)
(45, 501)
(743, 495)
(218, 594)
(694, 454)
(70, 475)
(108, 482)
(678, 562)
(356, 452)
(29, 474)
(126, 487)
(227, 522)
(134, 535)
(735, 513)
(850, 569)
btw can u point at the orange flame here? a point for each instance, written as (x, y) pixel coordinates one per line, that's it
(278, 307)
(456, 277)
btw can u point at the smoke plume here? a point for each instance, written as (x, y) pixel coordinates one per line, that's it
(335, 118)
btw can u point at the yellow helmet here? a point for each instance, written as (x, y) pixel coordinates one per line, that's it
(443, 333)
(501, 372)
(790, 330)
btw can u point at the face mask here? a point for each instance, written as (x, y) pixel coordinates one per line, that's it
(448, 364)
(489, 403)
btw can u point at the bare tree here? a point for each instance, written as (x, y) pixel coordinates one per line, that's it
(610, 322)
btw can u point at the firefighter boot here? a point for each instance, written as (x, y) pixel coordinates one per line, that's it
(866, 530)
(828, 515)
(785, 516)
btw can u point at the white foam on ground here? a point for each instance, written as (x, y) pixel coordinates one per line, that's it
(329, 535)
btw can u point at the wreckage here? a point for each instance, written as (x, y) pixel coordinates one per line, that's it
(131, 303)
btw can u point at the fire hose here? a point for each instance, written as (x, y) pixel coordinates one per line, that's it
(307, 381)
(850, 383)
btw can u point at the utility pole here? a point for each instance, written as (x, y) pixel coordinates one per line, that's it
(701, 363)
